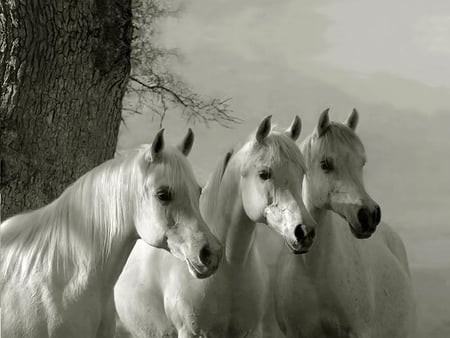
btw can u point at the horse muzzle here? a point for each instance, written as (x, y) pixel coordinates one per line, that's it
(206, 263)
(368, 221)
(304, 237)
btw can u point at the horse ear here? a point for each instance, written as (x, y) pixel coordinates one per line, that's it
(226, 161)
(264, 129)
(324, 123)
(156, 147)
(186, 145)
(352, 119)
(227, 158)
(294, 130)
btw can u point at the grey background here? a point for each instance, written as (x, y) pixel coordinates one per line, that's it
(389, 59)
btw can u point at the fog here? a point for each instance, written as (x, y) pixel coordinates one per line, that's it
(390, 61)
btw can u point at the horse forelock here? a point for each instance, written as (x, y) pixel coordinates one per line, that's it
(277, 150)
(177, 170)
(338, 138)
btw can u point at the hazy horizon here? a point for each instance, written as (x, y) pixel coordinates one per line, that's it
(249, 53)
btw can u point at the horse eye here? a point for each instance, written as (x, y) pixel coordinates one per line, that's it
(164, 195)
(265, 175)
(326, 165)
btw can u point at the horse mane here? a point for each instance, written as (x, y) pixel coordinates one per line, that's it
(75, 233)
(336, 135)
(210, 192)
(66, 234)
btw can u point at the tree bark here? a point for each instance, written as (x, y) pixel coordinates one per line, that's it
(64, 66)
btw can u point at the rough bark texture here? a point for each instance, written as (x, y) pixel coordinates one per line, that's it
(63, 69)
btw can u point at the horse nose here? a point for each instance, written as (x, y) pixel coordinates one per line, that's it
(304, 237)
(363, 218)
(301, 233)
(369, 220)
(205, 255)
(377, 215)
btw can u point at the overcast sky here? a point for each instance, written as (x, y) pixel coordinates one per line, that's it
(390, 59)
(391, 51)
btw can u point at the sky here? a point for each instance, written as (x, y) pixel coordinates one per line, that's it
(389, 59)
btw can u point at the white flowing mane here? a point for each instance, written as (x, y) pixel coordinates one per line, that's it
(66, 234)
(75, 233)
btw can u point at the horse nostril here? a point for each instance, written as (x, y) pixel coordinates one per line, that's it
(205, 255)
(377, 215)
(299, 233)
(363, 218)
(312, 233)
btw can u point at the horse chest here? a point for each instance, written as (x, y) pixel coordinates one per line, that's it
(343, 296)
(329, 312)
(223, 303)
(330, 301)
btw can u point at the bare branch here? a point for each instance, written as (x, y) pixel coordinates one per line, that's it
(153, 87)
(193, 107)
(134, 111)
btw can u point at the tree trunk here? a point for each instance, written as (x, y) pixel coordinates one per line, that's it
(63, 70)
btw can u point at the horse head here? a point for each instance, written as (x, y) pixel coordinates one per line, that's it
(168, 215)
(335, 158)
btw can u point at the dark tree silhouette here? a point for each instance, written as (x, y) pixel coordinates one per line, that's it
(64, 67)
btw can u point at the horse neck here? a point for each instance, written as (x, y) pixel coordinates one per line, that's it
(330, 237)
(234, 229)
(72, 239)
(114, 264)
(111, 222)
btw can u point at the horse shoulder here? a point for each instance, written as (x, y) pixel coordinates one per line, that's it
(50, 310)
(107, 325)
(17, 299)
(394, 309)
(393, 242)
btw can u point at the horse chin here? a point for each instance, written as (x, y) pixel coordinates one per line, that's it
(360, 234)
(196, 270)
(295, 251)
(357, 233)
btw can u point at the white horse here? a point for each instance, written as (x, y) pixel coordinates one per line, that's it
(259, 183)
(59, 263)
(345, 286)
